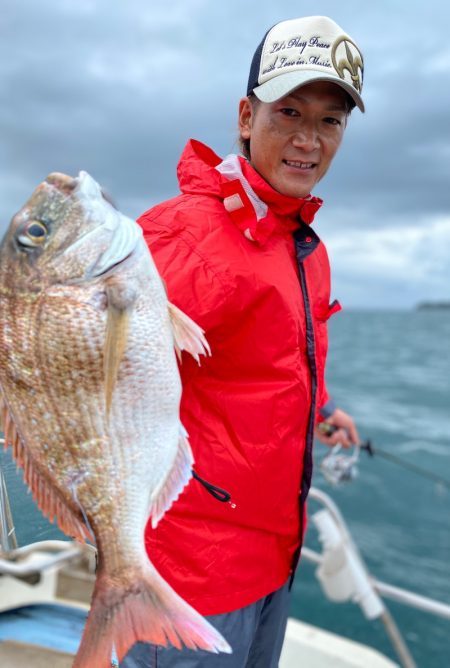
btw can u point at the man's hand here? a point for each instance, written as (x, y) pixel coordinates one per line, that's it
(346, 433)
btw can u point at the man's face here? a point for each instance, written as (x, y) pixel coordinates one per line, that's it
(293, 140)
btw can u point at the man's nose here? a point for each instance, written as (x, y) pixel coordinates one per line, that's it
(306, 137)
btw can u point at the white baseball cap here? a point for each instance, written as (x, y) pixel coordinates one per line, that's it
(300, 51)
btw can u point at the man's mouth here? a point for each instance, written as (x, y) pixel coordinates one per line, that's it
(300, 165)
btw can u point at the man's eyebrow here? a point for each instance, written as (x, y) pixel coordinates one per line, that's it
(337, 107)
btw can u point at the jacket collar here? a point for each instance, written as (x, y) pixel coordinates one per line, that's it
(254, 206)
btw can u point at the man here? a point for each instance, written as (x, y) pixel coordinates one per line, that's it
(238, 255)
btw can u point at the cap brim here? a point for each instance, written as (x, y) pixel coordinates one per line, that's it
(283, 84)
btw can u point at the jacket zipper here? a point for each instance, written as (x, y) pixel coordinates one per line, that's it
(307, 457)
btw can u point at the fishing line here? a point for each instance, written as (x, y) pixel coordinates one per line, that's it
(368, 447)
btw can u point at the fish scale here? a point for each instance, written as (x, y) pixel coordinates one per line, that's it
(91, 392)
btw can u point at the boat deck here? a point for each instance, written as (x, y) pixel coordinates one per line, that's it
(16, 654)
(43, 635)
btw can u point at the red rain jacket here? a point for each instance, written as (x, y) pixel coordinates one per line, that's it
(238, 260)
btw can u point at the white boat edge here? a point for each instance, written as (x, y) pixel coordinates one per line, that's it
(306, 645)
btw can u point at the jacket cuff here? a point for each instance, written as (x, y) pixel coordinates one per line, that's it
(327, 409)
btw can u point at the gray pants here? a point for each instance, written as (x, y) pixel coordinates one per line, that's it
(255, 633)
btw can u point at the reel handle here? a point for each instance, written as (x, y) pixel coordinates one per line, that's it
(328, 429)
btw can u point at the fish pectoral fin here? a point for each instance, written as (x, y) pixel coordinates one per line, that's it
(187, 334)
(115, 343)
(175, 481)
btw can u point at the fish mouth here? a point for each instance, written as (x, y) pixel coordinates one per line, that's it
(110, 238)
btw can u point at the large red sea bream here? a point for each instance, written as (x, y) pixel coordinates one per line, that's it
(90, 395)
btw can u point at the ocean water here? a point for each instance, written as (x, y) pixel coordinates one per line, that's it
(391, 371)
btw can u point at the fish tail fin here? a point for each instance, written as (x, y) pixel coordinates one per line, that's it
(142, 608)
(187, 334)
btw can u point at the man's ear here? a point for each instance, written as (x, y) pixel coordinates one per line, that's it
(245, 118)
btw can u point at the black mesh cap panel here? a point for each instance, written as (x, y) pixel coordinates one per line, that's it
(254, 67)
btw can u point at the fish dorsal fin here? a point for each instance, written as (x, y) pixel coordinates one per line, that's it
(174, 483)
(187, 334)
(44, 494)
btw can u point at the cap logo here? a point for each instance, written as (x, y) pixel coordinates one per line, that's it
(295, 52)
(352, 61)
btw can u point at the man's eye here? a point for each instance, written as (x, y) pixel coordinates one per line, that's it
(332, 121)
(287, 111)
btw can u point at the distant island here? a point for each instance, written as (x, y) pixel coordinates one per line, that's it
(433, 305)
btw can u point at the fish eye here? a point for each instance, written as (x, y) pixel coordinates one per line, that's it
(33, 234)
(36, 231)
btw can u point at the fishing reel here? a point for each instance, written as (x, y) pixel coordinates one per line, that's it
(341, 465)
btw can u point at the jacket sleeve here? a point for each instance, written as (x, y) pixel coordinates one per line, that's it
(193, 284)
(327, 406)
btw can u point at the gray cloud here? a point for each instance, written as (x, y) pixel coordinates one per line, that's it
(117, 90)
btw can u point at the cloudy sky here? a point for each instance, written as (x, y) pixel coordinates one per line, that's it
(116, 88)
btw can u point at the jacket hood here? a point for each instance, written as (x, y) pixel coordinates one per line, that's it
(256, 208)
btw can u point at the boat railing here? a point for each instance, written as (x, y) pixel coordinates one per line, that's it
(8, 539)
(397, 594)
(42, 556)
(344, 576)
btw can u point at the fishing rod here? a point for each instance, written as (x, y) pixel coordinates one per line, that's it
(337, 468)
(367, 445)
